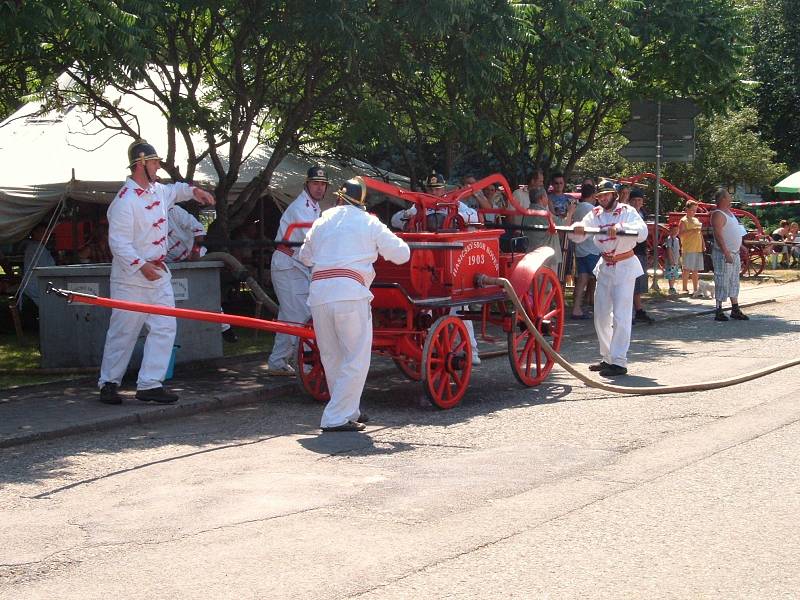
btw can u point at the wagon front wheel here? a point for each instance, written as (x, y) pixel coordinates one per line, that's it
(544, 304)
(310, 371)
(446, 362)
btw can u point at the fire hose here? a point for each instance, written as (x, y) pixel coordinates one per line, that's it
(484, 280)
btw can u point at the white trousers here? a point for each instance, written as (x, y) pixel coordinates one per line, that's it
(344, 336)
(291, 287)
(613, 306)
(123, 331)
(470, 328)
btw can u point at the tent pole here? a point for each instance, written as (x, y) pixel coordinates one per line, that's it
(12, 306)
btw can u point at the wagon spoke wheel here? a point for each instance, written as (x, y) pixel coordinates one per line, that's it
(446, 362)
(753, 262)
(310, 370)
(410, 367)
(544, 304)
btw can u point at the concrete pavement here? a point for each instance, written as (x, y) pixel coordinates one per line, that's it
(58, 409)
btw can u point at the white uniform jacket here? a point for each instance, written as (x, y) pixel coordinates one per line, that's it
(304, 209)
(183, 228)
(341, 247)
(138, 227)
(628, 218)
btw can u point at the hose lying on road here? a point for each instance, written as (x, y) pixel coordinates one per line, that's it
(242, 274)
(621, 389)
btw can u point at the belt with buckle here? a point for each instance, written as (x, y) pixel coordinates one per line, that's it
(611, 259)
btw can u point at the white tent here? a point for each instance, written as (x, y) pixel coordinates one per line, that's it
(47, 157)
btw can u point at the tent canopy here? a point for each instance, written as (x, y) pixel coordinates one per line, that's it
(790, 184)
(58, 154)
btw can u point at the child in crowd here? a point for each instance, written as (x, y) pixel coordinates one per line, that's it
(672, 270)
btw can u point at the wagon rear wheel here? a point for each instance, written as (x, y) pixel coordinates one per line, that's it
(409, 366)
(310, 371)
(544, 304)
(753, 261)
(446, 362)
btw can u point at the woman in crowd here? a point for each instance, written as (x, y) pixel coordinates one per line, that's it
(690, 232)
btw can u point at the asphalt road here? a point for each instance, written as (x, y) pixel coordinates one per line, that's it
(555, 492)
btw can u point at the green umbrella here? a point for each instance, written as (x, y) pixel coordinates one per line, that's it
(790, 184)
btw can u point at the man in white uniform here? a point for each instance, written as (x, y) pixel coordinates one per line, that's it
(340, 249)
(137, 236)
(185, 242)
(616, 273)
(290, 277)
(185, 236)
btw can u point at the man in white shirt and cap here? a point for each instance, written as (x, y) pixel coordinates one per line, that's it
(340, 249)
(290, 277)
(616, 273)
(137, 236)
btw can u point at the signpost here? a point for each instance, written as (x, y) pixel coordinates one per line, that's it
(660, 131)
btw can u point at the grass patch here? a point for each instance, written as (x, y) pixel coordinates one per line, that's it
(25, 355)
(250, 341)
(16, 354)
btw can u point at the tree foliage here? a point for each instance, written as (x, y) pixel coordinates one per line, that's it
(729, 151)
(776, 67)
(451, 85)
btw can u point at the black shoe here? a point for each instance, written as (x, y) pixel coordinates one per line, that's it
(643, 317)
(363, 418)
(229, 335)
(159, 394)
(720, 316)
(349, 426)
(737, 314)
(599, 366)
(613, 371)
(109, 395)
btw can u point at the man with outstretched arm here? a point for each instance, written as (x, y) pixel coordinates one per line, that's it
(616, 273)
(138, 238)
(340, 249)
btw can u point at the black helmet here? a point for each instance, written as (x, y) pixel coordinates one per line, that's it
(354, 191)
(317, 173)
(140, 150)
(436, 180)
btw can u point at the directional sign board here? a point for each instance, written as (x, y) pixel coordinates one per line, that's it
(677, 151)
(676, 128)
(645, 131)
(673, 109)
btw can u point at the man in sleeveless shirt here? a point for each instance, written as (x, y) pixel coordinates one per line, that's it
(728, 234)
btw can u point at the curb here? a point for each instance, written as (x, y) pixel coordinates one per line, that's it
(231, 399)
(151, 416)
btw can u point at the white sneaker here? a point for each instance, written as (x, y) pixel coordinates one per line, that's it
(476, 360)
(287, 371)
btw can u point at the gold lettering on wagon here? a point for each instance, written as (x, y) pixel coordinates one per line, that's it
(487, 251)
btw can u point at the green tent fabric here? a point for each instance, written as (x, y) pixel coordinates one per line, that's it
(790, 184)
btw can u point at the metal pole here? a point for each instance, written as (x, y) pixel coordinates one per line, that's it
(658, 197)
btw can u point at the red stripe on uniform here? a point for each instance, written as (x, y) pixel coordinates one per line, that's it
(333, 273)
